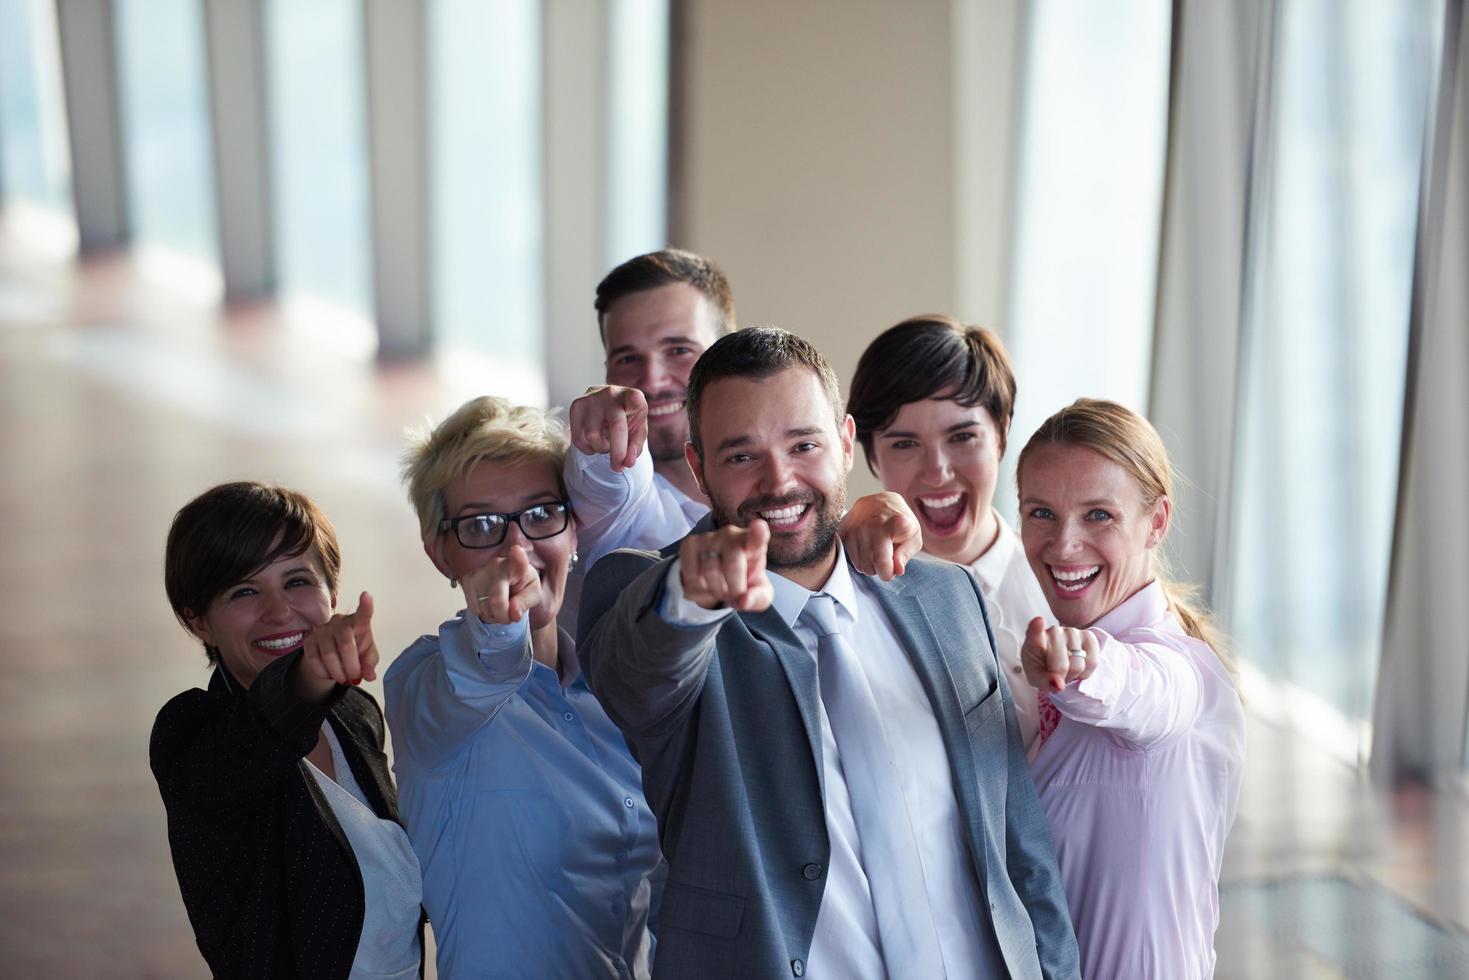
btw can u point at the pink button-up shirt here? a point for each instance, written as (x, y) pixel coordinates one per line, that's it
(1140, 782)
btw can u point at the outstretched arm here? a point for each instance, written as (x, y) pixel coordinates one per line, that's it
(1142, 692)
(648, 645)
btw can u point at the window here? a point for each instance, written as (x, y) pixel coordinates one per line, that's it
(319, 150)
(165, 113)
(485, 95)
(1090, 191)
(34, 162)
(1325, 348)
(637, 179)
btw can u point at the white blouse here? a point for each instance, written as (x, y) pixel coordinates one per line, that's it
(1013, 598)
(392, 889)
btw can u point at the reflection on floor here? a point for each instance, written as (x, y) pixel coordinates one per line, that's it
(121, 399)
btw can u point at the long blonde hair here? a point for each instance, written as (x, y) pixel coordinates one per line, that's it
(1129, 440)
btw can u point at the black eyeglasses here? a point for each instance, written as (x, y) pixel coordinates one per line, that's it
(488, 530)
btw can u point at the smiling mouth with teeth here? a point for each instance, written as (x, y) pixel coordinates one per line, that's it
(1074, 580)
(665, 409)
(281, 644)
(783, 517)
(942, 513)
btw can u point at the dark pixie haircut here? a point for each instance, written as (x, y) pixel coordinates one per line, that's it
(929, 357)
(758, 352)
(230, 532)
(664, 268)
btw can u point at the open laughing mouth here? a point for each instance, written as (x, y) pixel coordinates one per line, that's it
(1073, 581)
(942, 513)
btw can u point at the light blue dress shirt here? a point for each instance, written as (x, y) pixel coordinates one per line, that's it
(539, 855)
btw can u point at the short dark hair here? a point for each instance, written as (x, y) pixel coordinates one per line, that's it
(757, 352)
(927, 357)
(664, 268)
(231, 531)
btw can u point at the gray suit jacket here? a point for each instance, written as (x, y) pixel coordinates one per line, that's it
(725, 720)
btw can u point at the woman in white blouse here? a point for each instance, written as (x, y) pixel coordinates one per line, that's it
(282, 819)
(932, 401)
(1141, 744)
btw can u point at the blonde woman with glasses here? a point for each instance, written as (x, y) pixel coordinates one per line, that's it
(539, 855)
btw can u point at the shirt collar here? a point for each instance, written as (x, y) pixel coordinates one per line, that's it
(991, 566)
(1147, 606)
(791, 598)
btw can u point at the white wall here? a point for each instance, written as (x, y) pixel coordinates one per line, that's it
(820, 165)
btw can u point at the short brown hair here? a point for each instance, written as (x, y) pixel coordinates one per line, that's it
(230, 532)
(927, 357)
(664, 268)
(758, 352)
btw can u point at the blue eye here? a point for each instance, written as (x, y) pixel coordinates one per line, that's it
(1098, 514)
(1041, 513)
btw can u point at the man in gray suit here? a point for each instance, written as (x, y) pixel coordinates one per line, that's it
(833, 759)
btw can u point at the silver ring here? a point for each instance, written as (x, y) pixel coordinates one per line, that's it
(483, 598)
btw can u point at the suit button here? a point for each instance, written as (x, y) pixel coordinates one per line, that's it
(811, 872)
(798, 968)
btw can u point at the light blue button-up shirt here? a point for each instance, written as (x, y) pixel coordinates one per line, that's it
(539, 855)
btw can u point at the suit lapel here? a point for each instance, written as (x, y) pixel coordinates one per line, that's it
(800, 670)
(906, 610)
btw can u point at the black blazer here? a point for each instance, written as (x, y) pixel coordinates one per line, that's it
(269, 880)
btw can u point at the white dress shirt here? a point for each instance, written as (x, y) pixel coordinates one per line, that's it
(845, 943)
(1013, 597)
(636, 508)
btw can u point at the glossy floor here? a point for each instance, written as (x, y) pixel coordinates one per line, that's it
(121, 397)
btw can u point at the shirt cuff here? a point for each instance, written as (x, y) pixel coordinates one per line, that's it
(478, 653)
(1082, 699)
(676, 609)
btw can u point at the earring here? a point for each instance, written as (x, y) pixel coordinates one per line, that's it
(453, 582)
(572, 563)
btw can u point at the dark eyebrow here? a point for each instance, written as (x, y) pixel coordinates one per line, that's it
(734, 442)
(661, 342)
(904, 434)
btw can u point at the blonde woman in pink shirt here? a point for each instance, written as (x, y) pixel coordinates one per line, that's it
(1142, 740)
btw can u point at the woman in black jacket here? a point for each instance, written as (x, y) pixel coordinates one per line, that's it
(282, 817)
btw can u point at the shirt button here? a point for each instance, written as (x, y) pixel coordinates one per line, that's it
(627, 802)
(569, 716)
(811, 872)
(1016, 669)
(798, 968)
(622, 857)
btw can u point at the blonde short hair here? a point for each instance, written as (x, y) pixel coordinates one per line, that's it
(484, 429)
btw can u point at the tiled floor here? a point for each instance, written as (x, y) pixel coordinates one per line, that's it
(119, 400)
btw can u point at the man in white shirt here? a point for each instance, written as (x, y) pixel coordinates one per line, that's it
(625, 473)
(834, 763)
